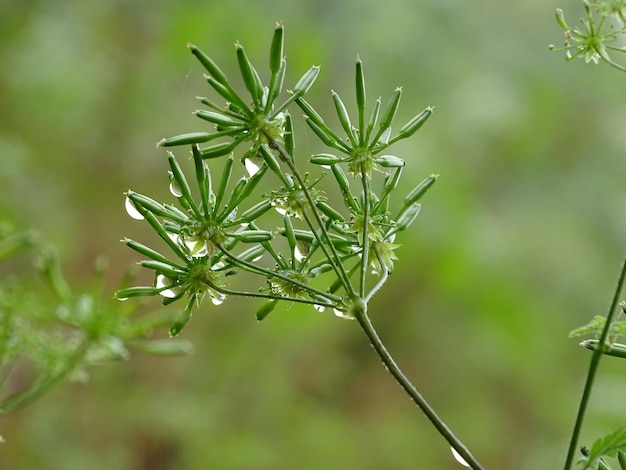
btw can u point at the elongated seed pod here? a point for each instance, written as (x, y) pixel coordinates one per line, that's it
(250, 76)
(413, 125)
(389, 161)
(289, 137)
(163, 268)
(416, 194)
(373, 118)
(138, 291)
(252, 236)
(217, 150)
(325, 159)
(344, 118)
(149, 252)
(185, 139)
(306, 81)
(217, 118)
(266, 309)
(276, 49)
(208, 64)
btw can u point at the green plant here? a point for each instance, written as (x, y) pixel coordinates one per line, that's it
(334, 257)
(594, 41)
(48, 336)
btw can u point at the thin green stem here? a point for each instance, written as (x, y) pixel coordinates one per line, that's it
(334, 259)
(268, 273)
(361, 316)
(366, 221)
(593, 367)
(381, 281)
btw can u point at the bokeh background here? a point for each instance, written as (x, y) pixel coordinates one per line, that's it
(518, 242)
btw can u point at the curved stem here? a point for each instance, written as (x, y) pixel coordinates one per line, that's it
(381, 281)
(360, 313)
(593, 367)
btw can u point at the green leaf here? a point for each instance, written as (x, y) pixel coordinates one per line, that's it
(606, 446)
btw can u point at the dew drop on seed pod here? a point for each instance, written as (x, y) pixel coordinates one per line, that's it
(175, 189)
(218, 300)
(132, 210)
(458, 457)
(280, 210)
(341, 314)
(319, 308)
(162, 281)
(252, 165)
(298, 254)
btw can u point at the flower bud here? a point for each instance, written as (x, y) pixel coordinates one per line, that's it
(389, 161)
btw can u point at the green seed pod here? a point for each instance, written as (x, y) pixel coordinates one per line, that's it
(203, 177)
(404, 219)
(372, 119)
(392, 179)
(326, 137)
(276, 49)
(291, 237)
(147, 251)
(290, 141)
(236, 196)
(217, 118)
(254, 212)
(615, 349)
(310, 112)
(414, 124)
(147, 204)
(344, 118)
(208, 64)
(230, 95)
(389, 161)
(217, 150)
(250, 76)
(139, 291)
(329, 211)
(185, 139)
(621, 458)
(360, 90)
(390, 111)
(276, 85)
(182, 319)
(179, 178)
(252, 236)
(251, 254)
(253, 181)
(560, 19)
(266, 309)
(416, 194)
(272, 163)
(344, 186)
(321, 269)
(325, 159)
(306, 82)
(166, 269)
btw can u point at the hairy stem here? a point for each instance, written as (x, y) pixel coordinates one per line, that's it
(593, 367)
(361, 316)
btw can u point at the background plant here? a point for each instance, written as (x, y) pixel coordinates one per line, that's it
(515, 245)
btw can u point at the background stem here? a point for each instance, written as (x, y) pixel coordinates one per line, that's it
(593, 367)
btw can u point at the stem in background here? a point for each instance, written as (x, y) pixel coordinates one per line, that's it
(360, 313)
(593, 367)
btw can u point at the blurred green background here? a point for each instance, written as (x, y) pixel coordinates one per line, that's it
(518, 242)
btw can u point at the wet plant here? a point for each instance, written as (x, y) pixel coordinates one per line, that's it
(293, 243)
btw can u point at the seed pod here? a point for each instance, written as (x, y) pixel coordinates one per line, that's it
(344, 186)
(252, 254)
(372, 119)
(185, 139)
(147, 251)
(276, 49)
(289, 138)
(230, 95)
(208, 64)
(414, 124)
(266, 309)
(389, 161)
(615, 349)
(252, 236)
(254, 212)
(217, 150)
(183, 318)
(344, 118)
(404, 219)
(306, 81)
(203, 177)
(329, 211)
(392, 179)
(253, 181)
(226, 172)
(291, 237)
(325, 159)
(326, 137)
(621, 458)
(179, 178)
(250, 76)
(276, 85)
(139, 291)
(416, 194)
(145, 204)
(216, 118)
(360, 94)
(166, 269)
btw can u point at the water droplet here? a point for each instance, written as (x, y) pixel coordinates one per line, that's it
(175, 188)
(217, 298)
(280, 210)
(162, 281)
(458, 457)
(319, 308)
(341, 314)
(253, 164)
(132, 210)
(297, 254)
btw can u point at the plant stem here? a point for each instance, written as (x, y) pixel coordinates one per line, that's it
(360, 313)
(593, 367)
(366, 222)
